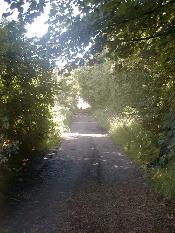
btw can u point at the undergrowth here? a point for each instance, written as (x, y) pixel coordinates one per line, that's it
(127, 132)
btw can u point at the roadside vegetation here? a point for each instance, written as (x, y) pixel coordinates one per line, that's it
(122, 54)
(36, 104)
(129, 101)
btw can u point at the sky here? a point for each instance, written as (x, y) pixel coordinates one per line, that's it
(38, 28)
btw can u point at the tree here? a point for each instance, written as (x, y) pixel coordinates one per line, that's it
(142, 32)
(27, 95)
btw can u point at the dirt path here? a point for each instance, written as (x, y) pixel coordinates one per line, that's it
(88, 186)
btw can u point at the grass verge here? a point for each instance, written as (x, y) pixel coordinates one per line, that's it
(138, 145)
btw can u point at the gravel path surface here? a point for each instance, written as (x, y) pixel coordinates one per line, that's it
(88, 186)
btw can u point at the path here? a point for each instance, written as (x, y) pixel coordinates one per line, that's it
(88, 186)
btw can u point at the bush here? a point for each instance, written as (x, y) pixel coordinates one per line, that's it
(138, 145)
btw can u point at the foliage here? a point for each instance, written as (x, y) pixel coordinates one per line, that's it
(137, 143)
(123, 27)
(163, 181)
(65, 101)
(135, 87)
(129, 134)
(27, 10)
(138, 90)
(27, 95)
(133, 100)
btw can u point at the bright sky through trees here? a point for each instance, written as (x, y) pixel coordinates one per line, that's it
(38, 28)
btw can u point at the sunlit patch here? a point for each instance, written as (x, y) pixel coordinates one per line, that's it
(123, 167)
(119, 154)
(86, 158)
(95, 164)
(103, 160)
(82, 104)
(40, 26)
(50, 154)
(84, 122)
(78, 135)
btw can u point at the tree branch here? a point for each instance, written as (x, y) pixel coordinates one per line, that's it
(144, 38)
(151, 37)
(144, 14)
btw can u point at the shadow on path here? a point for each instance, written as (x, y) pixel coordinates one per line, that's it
(88, 185)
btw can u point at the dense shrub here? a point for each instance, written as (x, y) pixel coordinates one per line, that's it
(134, 101)
(27, 92)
